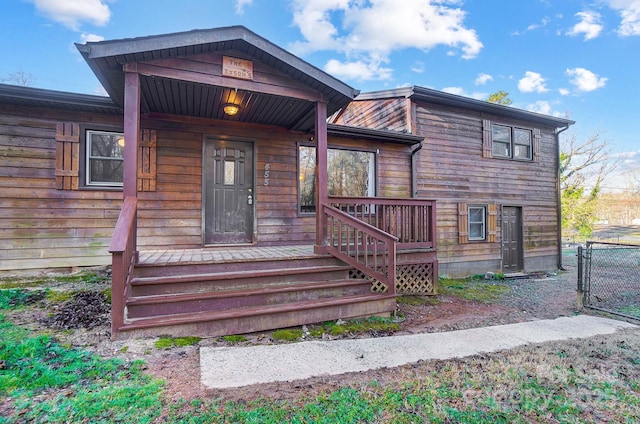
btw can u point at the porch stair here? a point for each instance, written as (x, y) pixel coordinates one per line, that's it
(236, 297)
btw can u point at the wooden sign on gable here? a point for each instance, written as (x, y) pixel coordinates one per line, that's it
(237, 68)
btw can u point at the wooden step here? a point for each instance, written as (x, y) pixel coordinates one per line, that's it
(163, 304)
(161, 270)
(259, 318)
(190, 283)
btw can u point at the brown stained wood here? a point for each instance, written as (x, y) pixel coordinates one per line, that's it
(7, 155)
(147, 161)
(131, 133)
(170, 216)
(211, 64)
(37, 223)
(321, 172)
(386, 114)
(492, 223)
(272, 87)
(252, 319)
(457, 172)
(487, 145)
(67, 155)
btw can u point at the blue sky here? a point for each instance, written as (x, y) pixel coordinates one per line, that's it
(571, 58)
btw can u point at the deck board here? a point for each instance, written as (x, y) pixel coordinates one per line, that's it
(224, 254)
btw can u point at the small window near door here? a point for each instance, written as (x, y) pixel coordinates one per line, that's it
(105, 158)
(351, 173)
(477, 223)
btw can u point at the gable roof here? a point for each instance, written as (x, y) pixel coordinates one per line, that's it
(418, 93)
(107, 58)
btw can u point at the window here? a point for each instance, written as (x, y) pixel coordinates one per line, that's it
(477, 223)
(350, 173)
(511, 142)
(105, 158)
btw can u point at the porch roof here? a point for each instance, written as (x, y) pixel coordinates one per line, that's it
(170, 96)
(374, 134)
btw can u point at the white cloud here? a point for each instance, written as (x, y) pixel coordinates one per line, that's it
(630, 14)
(585, 80)
(418, 67)
(71, 13)
(483, 78)
(532, 82)
(84, 38)
(370, 31)
(461, 92)
(564, 92)
(589, 25)
(544, 22)
(241, 4)
(358, 70)
(541, 106)
(546, 108)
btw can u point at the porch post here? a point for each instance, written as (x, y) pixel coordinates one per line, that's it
(131, 131)
(131, 134)
(321, 174)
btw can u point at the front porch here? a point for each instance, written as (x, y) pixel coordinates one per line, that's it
(223, 290)
(226, 143)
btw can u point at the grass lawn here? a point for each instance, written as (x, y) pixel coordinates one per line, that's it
(591, 381)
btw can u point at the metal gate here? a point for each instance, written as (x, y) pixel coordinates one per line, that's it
(609, 278)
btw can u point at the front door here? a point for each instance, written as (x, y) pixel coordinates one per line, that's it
(512, 247)
(228, 194)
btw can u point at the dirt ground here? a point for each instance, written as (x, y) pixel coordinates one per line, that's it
(546, 296)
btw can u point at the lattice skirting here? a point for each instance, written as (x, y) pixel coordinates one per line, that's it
(410, 279)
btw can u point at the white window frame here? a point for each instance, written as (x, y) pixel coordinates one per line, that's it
(89, 181)
(482, 223)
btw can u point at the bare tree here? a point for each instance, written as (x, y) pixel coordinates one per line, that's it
(19, 78)
(632, 181)
(584, 165)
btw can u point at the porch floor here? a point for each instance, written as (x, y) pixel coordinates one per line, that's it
(224, 254)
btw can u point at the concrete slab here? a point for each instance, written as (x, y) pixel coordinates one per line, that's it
(228, 367)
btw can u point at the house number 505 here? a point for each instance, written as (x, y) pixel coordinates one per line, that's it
(267, 167)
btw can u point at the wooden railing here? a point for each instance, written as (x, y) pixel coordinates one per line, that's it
(123, 258)
(361, 245)
(412, 221)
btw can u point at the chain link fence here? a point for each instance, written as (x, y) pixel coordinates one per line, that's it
(609, 278)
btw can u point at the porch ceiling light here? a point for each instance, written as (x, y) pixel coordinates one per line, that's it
(230, 108)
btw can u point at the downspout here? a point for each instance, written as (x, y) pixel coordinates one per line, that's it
(558, 188)
(414, 151)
